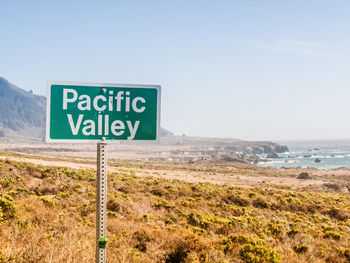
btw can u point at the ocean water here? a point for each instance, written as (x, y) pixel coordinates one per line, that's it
(332, 153)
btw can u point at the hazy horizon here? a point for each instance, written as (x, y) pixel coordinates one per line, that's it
(260, 70)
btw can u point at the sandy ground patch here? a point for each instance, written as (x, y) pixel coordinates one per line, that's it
(232, 179)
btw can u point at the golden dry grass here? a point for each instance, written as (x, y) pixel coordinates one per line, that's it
(48, 215)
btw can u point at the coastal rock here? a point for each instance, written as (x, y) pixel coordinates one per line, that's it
(258, 150)
(318, 160)
(250, 147)
(272, 155)
(314, 149)
(273, 147)
(304, 176)
(231, 158)
(281, 149)
(252, 158)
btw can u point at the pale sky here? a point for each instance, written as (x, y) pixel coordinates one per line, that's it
(256, 70)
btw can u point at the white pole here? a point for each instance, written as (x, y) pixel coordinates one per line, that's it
(101, 203)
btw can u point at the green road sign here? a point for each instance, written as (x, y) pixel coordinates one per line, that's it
(86, 112)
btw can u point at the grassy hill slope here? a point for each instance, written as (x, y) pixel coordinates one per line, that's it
(48, 215)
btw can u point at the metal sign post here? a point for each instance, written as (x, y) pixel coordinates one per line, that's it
(80, 112)
(101, 203)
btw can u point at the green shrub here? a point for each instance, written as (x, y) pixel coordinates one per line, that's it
(333, 235)
(236, 238)
(3, 256)
(291, 199)
(197, 219)
(6, 182)
(230, 242)
(7, 206)
(259, 254)
(47, 202)
(237, 200)
(338, 214)
(300, 248)
(293, 232)
(261, 203)
(148, 217)
(274, 229)
(346, 254)
(163, 203)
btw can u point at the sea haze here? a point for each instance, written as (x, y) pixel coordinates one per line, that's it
(331, 153)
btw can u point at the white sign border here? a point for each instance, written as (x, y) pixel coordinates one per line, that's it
(111, 85)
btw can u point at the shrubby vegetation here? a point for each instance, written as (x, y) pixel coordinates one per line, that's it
(47, 214)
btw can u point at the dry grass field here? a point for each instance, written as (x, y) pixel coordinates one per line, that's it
(171, 212)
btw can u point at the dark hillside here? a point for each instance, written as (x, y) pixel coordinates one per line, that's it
(22, 114)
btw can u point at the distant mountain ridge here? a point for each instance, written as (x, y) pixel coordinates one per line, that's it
(23, 114)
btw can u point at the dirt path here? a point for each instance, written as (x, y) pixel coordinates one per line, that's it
(193, 177)
(73, 165)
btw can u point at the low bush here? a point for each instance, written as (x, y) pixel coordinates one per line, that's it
(259, 254)
(237, 200)
(7, 205)
(332, 235)
(299, 249)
